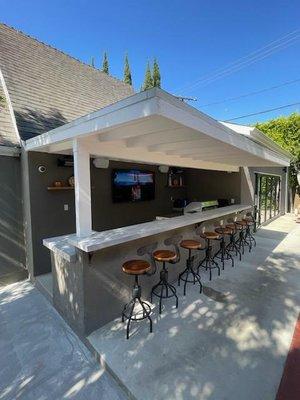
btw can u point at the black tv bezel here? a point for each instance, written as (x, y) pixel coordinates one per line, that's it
(114, 170)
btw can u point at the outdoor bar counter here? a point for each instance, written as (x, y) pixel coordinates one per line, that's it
(89, 287)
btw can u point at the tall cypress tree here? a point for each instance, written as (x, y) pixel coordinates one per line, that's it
(127, 72)
(148, 81)
(156, 74)
(105, 65)
(93, 62)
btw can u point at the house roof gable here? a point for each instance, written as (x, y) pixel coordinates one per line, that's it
(49, 88)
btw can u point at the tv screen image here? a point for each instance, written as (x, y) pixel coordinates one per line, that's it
(132, 185)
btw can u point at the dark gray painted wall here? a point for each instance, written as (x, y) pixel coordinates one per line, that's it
(12, 253)
(209, 185)
(49, 219)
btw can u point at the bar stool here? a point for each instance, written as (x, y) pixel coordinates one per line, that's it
(232, 246)
(189, 270)
(241, 241)
(163, 289)
(136, 268)
(223, 254)
(208, 260)
(248, 235)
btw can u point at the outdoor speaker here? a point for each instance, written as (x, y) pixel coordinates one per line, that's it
(101, 162)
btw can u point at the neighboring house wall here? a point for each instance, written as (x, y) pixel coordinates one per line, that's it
(248, 184)
(12, 251)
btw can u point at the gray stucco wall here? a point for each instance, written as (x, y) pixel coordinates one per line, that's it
(49, 219)
(12, 252)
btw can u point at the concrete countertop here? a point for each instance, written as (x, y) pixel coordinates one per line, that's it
(101, 240)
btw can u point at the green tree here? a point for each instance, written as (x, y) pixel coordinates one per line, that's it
(148, 81)
(93, 62)
(285, 131)
(156, 74)
(105, 64)
(127, 72)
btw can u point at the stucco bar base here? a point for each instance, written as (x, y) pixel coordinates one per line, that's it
(90, 290)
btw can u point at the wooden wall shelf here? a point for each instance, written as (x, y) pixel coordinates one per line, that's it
(60, 188)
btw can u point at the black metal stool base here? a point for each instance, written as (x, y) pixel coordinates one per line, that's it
(232, 247)
(163, 289)
(129, 313)
(223, 254)
(187, 273)
(249, 237)
(209, 263)
(241, 242)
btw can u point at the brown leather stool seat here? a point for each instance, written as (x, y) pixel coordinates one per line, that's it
(136, 267)
(249, 221)
(233, 226)
(224, 231)
(191, 244)
(210, 235)
(241, 223)
(164, 255)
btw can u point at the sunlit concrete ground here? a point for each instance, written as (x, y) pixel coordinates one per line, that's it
(40, 357)
(230, 342)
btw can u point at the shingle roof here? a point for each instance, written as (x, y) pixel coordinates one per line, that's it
(47, 87)
(8, 135)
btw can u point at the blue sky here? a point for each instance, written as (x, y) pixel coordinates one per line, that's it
(191, 39)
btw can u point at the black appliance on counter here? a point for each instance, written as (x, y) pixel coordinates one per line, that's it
(223, 202)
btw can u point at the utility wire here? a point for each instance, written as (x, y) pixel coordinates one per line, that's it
(249, 59)
(250, 93)
(262, 112)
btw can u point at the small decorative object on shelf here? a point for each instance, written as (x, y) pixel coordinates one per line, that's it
(60, 185)
(71, 181)
(175, 178)
(57, 184)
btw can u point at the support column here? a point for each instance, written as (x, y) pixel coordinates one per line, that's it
(82, 177)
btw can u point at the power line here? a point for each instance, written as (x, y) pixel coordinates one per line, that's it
(262, 112)
(250, 93)
(249, 59)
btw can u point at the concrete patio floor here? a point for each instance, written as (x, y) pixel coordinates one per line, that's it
(41, 358)
(230, 342)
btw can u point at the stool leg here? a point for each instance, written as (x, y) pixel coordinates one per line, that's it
(146, 313)
(129, 319)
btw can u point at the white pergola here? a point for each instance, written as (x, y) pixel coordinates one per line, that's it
(152, 127)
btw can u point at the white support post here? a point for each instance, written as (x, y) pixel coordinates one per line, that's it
(82, 177)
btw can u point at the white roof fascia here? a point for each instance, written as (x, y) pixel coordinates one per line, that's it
(146, 104)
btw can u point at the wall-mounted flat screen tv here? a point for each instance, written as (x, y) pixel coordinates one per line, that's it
(132, 185)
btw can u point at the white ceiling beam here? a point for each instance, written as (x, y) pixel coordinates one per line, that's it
(145, 126)
(117, 150)
(179, 135)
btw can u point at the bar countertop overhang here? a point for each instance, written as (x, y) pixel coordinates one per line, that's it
(101, 240)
